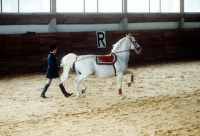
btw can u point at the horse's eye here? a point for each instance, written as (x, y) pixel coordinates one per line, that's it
(135, 41)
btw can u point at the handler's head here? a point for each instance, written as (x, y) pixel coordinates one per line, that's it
(52, 47)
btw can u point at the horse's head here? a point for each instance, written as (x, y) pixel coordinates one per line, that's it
(133, 44)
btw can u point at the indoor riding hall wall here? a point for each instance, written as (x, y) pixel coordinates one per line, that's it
(25, 53)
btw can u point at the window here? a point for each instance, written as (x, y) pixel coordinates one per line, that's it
(192, 5)
(69, 6)
(137, 5)
(140, 6)
(90, 5)
(154, 5)
(109, 5)
(9, 5)
(170, 6)
(34, 5)
(0, 5)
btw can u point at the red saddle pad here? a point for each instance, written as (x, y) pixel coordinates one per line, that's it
(109, 59)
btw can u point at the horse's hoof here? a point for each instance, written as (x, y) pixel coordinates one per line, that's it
(82, 96)
(78, 97)
(129, 84)
(122, 96)
(83, 91)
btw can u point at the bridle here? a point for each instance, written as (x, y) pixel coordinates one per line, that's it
(134, 44)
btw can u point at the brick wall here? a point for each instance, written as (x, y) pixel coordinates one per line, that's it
(23, 53)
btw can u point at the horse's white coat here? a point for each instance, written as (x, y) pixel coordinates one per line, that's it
(85, 65)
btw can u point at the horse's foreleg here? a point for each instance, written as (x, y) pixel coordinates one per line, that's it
(76, 83)
(119, 80)
(129, 72)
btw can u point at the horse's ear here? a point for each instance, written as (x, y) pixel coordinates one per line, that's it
(129, 34)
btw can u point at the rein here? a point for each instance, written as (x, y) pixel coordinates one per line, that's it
(121, 51)
(101, 55)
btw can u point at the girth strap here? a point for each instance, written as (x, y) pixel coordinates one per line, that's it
(114, 69)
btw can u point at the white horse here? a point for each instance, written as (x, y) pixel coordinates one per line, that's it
(86, 65)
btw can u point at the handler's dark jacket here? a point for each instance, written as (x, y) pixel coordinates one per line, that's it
(52, 67)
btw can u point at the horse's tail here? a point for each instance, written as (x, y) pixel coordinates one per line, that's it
(66, 63)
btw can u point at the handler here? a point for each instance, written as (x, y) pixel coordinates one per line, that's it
(53, 73)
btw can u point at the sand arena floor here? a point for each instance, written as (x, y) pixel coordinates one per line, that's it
(164, 100)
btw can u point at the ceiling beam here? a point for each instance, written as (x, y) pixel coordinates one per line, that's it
(92, 15)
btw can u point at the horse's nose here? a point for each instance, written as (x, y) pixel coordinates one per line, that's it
(140, 50)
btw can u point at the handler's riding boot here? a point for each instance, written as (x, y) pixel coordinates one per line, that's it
(62, 88)
(44, 91)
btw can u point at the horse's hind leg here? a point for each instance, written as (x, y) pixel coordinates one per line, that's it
(83, 87)
(77, 82)
(129, 72)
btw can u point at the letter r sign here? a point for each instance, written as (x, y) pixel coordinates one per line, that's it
(101, 39)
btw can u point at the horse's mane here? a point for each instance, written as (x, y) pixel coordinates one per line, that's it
(116, 46)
